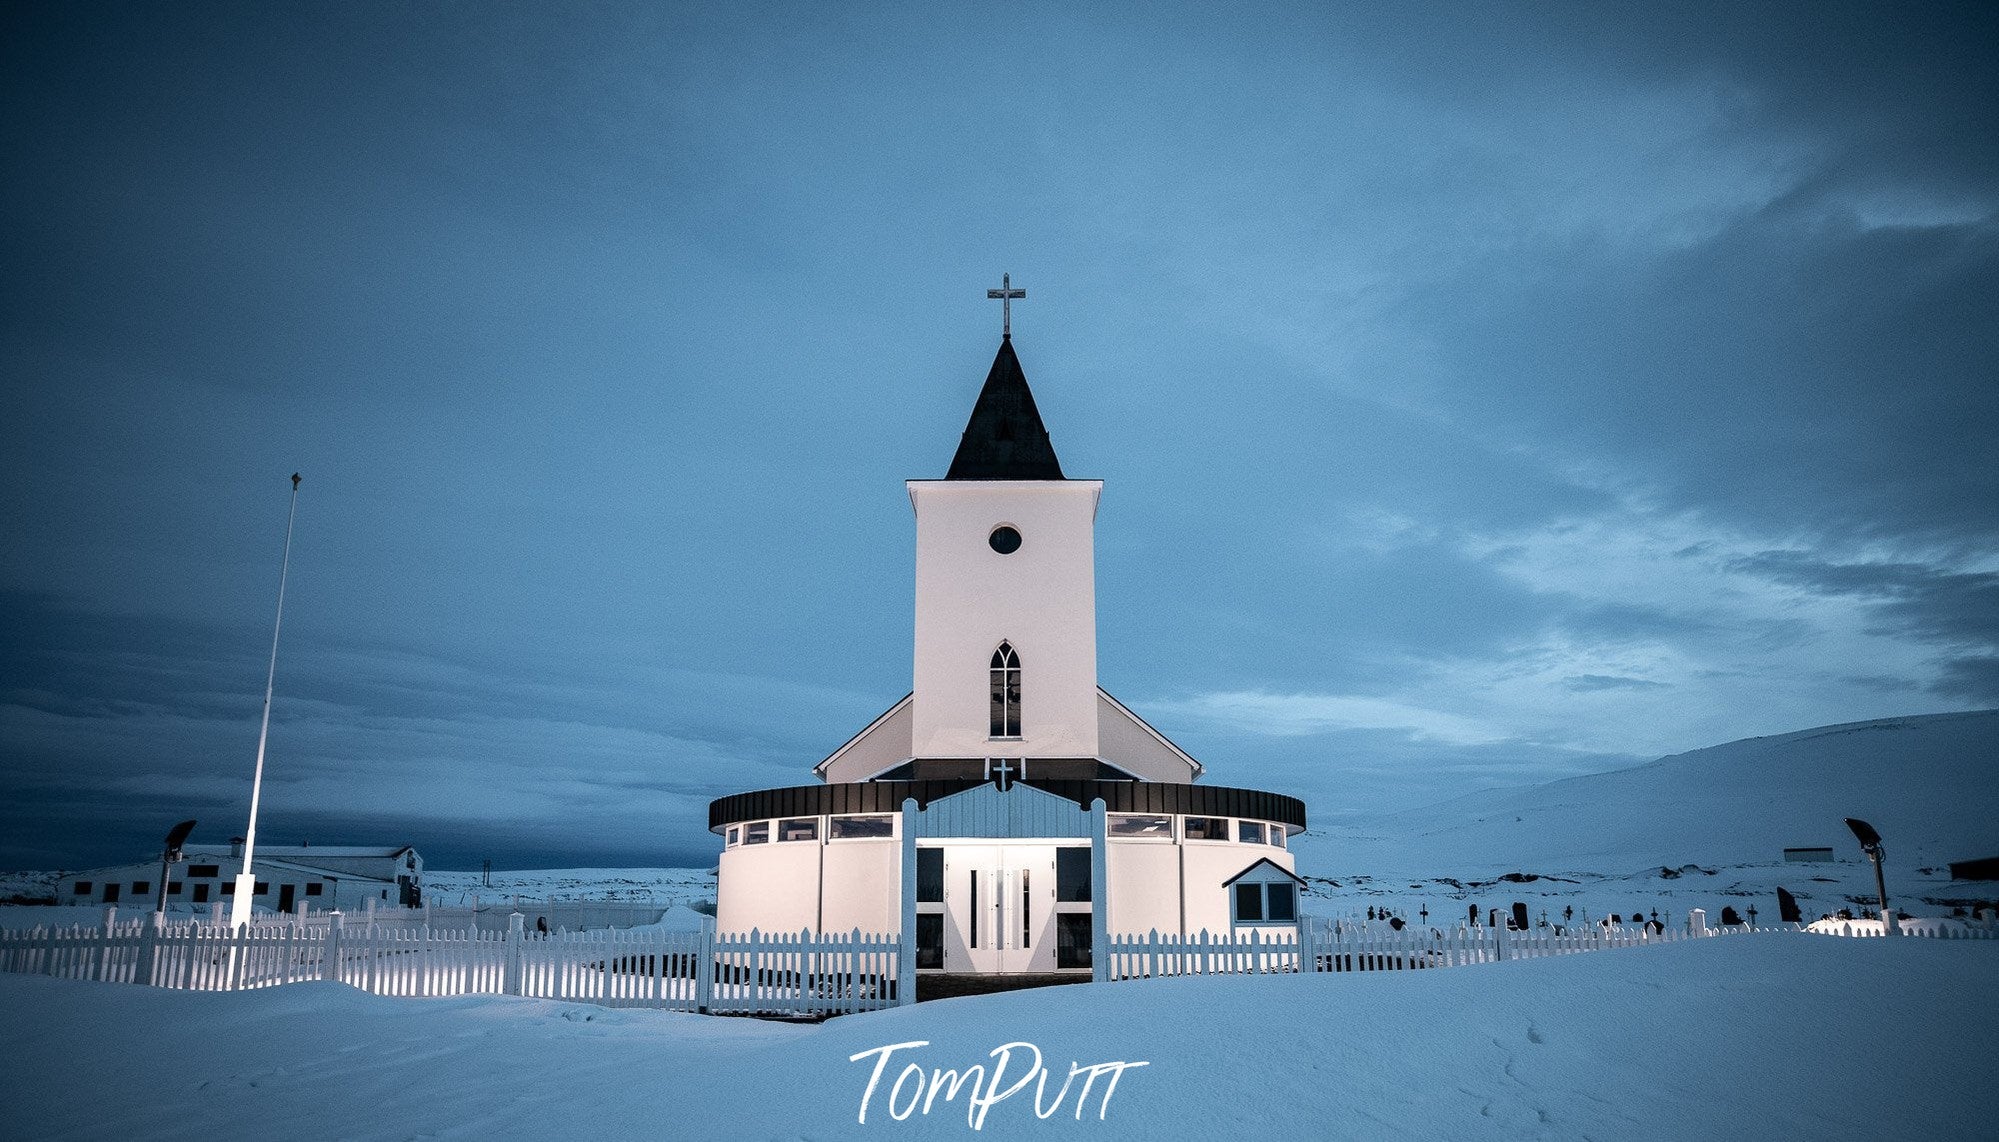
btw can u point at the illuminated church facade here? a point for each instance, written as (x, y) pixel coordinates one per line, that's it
(1007, 810)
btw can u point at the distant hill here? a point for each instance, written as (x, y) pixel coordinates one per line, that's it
(1930, 784)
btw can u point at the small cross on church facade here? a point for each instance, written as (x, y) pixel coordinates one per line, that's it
(1005, 295)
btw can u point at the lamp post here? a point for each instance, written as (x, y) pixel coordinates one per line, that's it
(1870, 843)
(246, 880)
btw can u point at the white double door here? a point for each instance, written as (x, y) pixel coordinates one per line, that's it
(999, 908)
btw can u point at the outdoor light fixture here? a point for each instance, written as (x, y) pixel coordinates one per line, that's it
(1870, 843)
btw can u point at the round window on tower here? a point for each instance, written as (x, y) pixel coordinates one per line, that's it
(1004, 540)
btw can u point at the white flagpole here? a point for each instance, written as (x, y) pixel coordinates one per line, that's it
(246, 880)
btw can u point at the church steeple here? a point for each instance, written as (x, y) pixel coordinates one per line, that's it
(1004, 439)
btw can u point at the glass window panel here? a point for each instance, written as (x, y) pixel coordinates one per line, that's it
(1283, 902)
(82, 888)
(1072, 940)
(1207, 828)
(930, 876)
(1249, 902)
(735, 834)
(798, 829)
(200, 870)
(756, 833)
(930, 940)
(1026, 908)
(1249, 832)
(855, 828)
(141, 887)
(1072, 875)
(1277, 835)
(1137, 825)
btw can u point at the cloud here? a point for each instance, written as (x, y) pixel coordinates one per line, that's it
(1935, 604)
(1588, 683)
(1294, 715)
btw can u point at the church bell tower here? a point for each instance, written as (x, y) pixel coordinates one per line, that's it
(1006, 616)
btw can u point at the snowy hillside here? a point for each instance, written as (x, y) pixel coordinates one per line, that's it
(1930, 784)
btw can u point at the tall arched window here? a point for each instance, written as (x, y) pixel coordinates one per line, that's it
(1006, 692)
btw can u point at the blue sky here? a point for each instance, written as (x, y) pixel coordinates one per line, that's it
(1482, 396)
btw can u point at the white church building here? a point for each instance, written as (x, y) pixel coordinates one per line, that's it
(1007, 810)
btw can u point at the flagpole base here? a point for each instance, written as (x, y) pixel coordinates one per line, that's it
(241, 904)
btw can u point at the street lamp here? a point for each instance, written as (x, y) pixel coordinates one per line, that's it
(1870, 843)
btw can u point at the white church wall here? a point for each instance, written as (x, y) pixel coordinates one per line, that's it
(771, 887)
(863, 886)
(1041, 599)
(883, 745)
(1144, 886)
(1126, 743)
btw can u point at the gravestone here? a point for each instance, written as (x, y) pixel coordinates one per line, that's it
(1787, 907)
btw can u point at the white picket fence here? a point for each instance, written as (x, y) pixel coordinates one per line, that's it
(490, 915)
(753, 973)
(1346, 946)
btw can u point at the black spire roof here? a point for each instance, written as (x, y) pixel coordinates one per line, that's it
(1004, 440)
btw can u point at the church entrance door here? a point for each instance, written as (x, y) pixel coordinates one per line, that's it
(999, 904)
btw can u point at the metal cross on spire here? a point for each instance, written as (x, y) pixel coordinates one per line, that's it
(1005, 294)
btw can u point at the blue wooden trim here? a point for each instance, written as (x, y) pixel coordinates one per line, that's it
(1017, 811)
(906, 967)
(1100, 892)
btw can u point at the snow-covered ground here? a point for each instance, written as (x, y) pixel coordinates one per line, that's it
(664, 886)
(1772, 1037)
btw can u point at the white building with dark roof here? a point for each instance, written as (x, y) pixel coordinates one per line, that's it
(321, 878)
(1008, 809)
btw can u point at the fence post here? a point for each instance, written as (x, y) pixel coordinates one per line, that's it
(329, 963)
(516, 933)
(905, 969)
(1308, 956)
(1499, 940)
(1697, 922)
(150, 949)
(704, 968)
